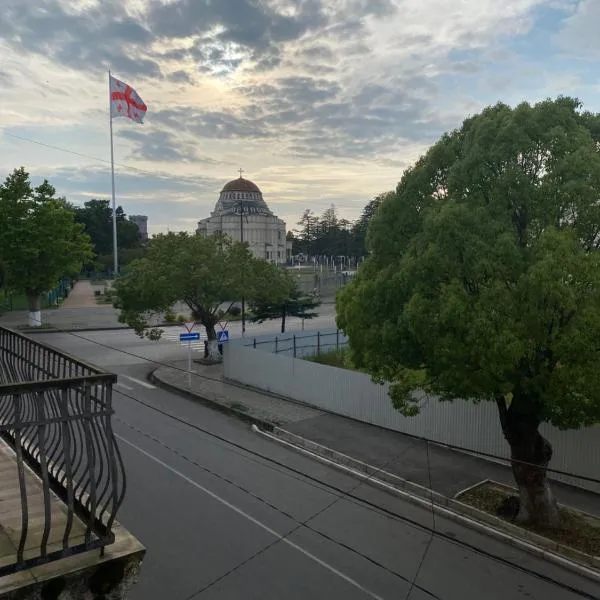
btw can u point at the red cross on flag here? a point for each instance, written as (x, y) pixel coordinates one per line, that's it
(125, 101)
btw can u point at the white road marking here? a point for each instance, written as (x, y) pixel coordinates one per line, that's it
(140, 382)
(124, 386)
(250, 518)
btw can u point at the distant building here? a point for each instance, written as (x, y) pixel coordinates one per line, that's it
(142, 224)
(241, 207)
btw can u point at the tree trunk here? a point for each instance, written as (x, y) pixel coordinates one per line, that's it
(283, 320)
(212, 344)
(35, 313)
(530, 455)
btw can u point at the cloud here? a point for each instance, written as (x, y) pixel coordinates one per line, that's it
(316, 99)
(179, 77)
(580, 33)
(163, 146)
(90, 39)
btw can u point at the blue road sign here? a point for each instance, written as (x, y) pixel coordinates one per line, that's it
(223, 336)
(189, 337)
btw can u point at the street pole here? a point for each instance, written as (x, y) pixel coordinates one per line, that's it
(112, 172)
(190, 363)
(242, 241)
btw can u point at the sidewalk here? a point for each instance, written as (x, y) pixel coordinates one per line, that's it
(79, 311)
(443, 470)
(81, 296)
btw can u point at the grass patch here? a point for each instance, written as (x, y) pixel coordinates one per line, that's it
(334, 358)
(578, 531)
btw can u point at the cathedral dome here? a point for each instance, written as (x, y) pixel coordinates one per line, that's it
(241, 185)
(241, 195)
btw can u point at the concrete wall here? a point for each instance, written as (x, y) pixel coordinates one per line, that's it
(352, 394)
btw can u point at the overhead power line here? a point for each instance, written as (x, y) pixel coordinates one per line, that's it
(343, 493)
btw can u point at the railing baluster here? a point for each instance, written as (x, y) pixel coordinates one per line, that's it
(21, 476)
(66, 440)
(55, 412)
(43, 459)
(91, 458)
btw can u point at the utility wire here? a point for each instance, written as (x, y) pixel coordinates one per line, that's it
(374, 506)
(409, 435)
(102, 160)
(433, 529)
(106, 161)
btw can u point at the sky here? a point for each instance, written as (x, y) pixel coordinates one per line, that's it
(320, 102)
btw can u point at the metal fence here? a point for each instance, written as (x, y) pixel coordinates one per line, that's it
(300, 345)
(353, 394)
(55, 414)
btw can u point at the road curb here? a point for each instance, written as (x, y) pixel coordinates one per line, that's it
(211, 403)
(37, 330)
(53, 329)
(565, 557)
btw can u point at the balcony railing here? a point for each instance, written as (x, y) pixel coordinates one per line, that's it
(55, 415)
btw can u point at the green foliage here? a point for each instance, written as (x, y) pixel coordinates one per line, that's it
(333, 358)
(96, 217)
(203, 272)
(483, 279)
(40, 242)
(329, 235)
(279, 298)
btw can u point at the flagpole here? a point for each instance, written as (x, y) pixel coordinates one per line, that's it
(112, 173)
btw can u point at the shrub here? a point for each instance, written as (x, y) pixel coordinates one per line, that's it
(170, 317)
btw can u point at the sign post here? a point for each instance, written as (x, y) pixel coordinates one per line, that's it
(189, 337)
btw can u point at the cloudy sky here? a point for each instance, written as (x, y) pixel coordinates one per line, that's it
(319, 101)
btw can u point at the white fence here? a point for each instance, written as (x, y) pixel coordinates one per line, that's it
(354, 395)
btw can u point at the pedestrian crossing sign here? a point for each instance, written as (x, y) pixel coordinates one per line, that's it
(223, 336)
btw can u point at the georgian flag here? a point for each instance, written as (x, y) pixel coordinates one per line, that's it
(125, 101)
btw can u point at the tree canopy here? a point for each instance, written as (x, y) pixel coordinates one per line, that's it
(483, 279)
(280, 299)
(329, 235)
(40, 242)
(203, 272)
(96, 216)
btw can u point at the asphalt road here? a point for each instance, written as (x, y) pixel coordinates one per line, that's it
(220, 522)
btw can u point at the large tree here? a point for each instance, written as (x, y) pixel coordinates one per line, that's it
(281, 299)
(361, 226)
(40, 242)
(203, 272)
(483, 281)
(96, 216)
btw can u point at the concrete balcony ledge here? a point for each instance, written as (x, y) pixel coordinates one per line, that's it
(85, 576)
(62, 479)
(79, 576)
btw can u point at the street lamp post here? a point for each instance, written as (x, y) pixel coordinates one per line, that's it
(242, 241)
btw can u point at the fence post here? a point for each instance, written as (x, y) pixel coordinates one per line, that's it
(294, 345)
(254, 343)
(318, 343)
(276, 344)
(337, 340)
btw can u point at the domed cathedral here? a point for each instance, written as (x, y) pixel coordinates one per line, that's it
(242, 214)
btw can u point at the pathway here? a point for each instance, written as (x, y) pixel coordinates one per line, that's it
(81, 296)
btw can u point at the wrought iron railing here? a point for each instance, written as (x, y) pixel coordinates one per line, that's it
(55, 415)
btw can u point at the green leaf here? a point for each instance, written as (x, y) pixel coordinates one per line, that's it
(483, 279)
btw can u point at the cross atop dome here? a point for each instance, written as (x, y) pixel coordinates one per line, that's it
(241, 171)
